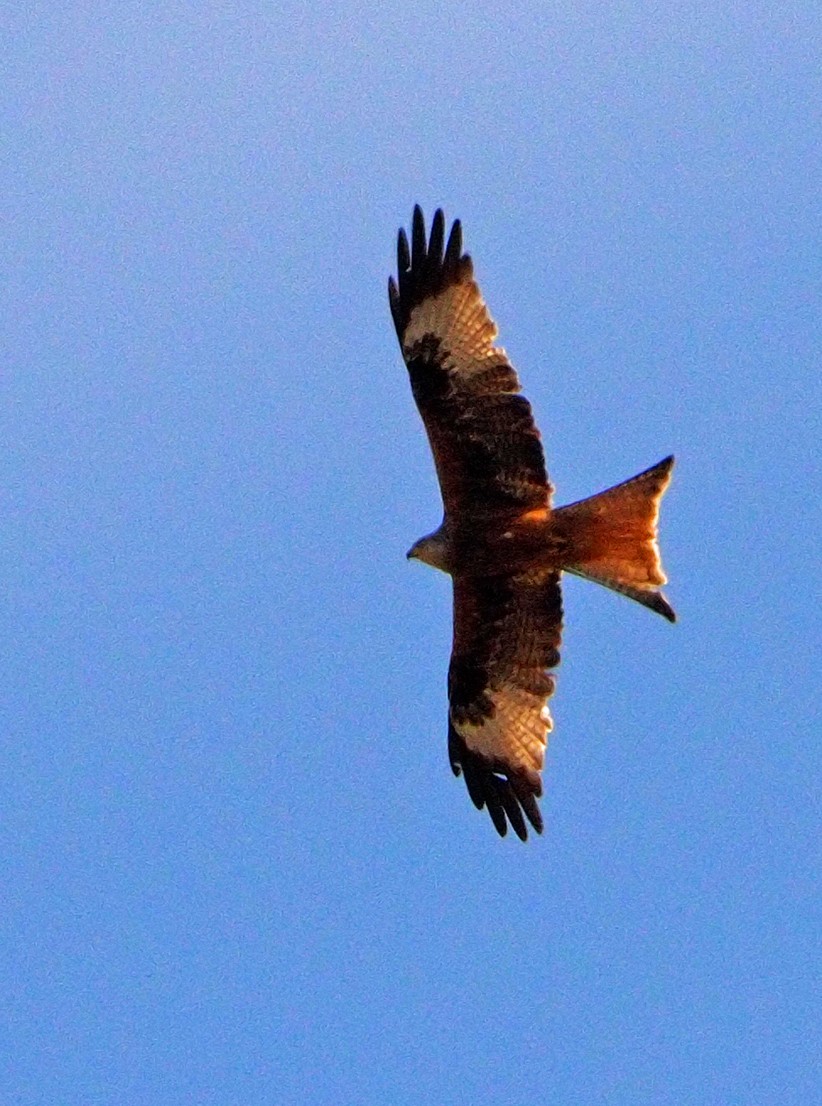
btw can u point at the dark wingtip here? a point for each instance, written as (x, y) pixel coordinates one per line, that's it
(505, 794)
(403, 254)
(394, 300)
(418, 250)
(527, 793)
(453, 251)
(425, 265)
(510, 803)
(435, 242)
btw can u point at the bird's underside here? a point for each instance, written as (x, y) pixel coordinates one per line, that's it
(501, 541)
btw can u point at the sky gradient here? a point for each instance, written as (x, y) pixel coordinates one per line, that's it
(236, 866)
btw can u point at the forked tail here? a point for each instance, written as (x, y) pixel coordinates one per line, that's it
(612, 537)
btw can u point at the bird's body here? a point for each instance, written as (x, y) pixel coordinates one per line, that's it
(500, 540)
(498, 548)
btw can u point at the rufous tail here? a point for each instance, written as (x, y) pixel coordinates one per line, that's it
(612, 537)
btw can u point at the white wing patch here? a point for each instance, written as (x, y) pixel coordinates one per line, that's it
(517, 735)
(459, 318)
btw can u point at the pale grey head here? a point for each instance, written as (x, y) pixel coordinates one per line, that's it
(432, 550)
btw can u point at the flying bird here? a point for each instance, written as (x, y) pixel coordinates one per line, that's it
(502, 542)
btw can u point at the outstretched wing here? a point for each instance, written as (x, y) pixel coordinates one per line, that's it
(486, 447)
(507, 632)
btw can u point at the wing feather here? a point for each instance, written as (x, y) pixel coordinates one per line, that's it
(507, 633)
(486, 446)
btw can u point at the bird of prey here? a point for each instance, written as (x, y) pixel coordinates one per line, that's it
(502, 542)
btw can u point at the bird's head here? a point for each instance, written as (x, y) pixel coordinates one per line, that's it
(431, 550)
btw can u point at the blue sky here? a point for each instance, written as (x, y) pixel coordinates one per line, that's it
(236, 866)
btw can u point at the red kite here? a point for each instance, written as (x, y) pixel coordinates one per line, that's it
(500, 540)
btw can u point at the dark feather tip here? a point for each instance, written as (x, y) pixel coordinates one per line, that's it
(507, 796)
(425, 265)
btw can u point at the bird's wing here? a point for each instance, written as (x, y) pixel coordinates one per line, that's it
(507, 632)
(486, 447)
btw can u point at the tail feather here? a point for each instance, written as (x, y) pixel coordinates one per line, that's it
(612, 537)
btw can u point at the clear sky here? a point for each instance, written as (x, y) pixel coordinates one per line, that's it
(236, 868)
